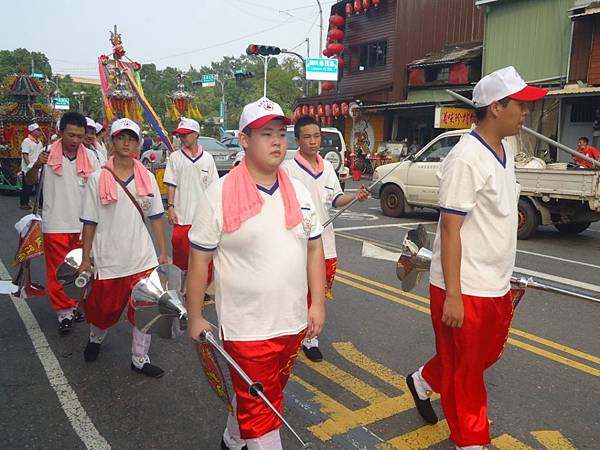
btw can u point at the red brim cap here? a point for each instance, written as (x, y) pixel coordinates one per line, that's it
(261, 122)
(529, 94)
(183, 131)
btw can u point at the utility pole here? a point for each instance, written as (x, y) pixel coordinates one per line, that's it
(320, 36)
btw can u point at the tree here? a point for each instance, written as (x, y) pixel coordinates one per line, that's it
(10, 61)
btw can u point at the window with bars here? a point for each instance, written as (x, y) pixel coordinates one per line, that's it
(368, 56)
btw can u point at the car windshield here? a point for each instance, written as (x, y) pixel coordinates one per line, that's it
(211, 144)
(329, 140)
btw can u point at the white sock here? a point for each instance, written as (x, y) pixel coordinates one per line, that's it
(310, 343)
(269, 441)
(422, 386)
(97, 335)
(63, 314)
(140, 345)
(231, 435)
(470, 447)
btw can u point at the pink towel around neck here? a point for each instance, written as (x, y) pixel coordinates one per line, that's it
(108, 184)
(189, 153)
(304, 163)
(241, 199)
(55, 160)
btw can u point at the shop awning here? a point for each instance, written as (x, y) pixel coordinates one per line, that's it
(575, 91)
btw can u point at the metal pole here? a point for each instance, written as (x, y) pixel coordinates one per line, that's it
(266, 64)
(534, 133)
(320, 36)
(287, 52)
(307, 56)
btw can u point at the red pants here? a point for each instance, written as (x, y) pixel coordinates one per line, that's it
(463, 354)
(181, 246)
(108, 298)
(56, 247)
(330, 269)
(267, 362)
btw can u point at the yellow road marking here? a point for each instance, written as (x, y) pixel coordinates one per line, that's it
(553, 440)
(507, 442)
(423, 437)
(342, 378)
(520, 333)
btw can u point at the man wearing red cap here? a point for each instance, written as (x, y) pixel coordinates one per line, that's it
(188, 174)
(262, 231)
(473, 259)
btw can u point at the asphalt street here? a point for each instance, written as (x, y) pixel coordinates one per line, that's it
(543, 394)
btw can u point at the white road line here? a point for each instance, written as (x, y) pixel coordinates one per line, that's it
(387, 225)
(526, 252)
(77, 416)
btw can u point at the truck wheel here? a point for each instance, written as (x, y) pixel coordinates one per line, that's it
(572, 228)
(392, 201)
(529, 220)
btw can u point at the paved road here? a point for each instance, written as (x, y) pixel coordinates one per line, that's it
(542, 394)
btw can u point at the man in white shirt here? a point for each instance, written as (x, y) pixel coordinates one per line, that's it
(31, 147)
(262, 231)
(68, 166)
(188, 174)
(91, 142)
(473, 259)
(115, 233)
(319, 177)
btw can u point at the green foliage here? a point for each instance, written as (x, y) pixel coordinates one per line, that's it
(10, 61)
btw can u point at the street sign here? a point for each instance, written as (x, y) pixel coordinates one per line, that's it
(322, 69)
(38, 75)
(453, 118)
(209, 80)
(61, 103)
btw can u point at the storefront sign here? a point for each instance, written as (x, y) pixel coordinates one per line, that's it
(449, 117)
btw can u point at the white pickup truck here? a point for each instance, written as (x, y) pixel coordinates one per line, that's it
(569, 198)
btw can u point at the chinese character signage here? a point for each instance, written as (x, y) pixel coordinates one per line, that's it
(454, 118)
(323, 69)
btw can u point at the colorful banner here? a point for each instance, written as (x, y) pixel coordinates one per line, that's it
(213, 373)
(454, 118)
(31, 245)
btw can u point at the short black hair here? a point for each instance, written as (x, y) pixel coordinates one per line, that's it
(72, 118)
(302, 122)
(480, 113)
(585, 139)
(130, 133)
(247, 131)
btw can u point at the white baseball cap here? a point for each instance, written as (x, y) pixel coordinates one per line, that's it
(258, 114)
(187, 126)
(91, 123)
(34, 126)
(502, 83)
(99, 127)
(124, 124)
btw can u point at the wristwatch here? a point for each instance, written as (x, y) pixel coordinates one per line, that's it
(170, 205)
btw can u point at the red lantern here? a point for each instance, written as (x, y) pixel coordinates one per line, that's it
(336, 21)
(349, 9)
(320, 110)
(312, 110)
(336, 34)
(345, 109)
(304, 110)
(336, 110)
(365, 4)
(326, 53)
(329, 120)
(335, 49)
(357, 6)
(297, 113)
(328, 110)
(340, 63)
(327, 86)
(376, 3)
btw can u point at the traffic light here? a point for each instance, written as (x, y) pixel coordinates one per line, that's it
(262, 50)
(241, 75)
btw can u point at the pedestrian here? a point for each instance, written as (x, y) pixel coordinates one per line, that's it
(263, 232)
(319, 178)
(118, 199)
(31, 147)
(187, 175)
(91, 143)
(68, 166)
(100, 140)
(584, 147)
(473, 259)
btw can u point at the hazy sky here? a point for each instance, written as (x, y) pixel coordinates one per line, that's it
(168, 33)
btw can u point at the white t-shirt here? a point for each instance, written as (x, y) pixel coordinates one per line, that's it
(190, 177)
(122, 244)
(63, 196)
(475, 183)
(261, 278)
(99, 152)
(31, 148)
(324, 190)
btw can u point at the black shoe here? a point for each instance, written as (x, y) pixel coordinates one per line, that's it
(423, 406)
(78, 316)
(313, 353)
(92, 349)
(150, 370)
(65, 325)
(224, 446)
